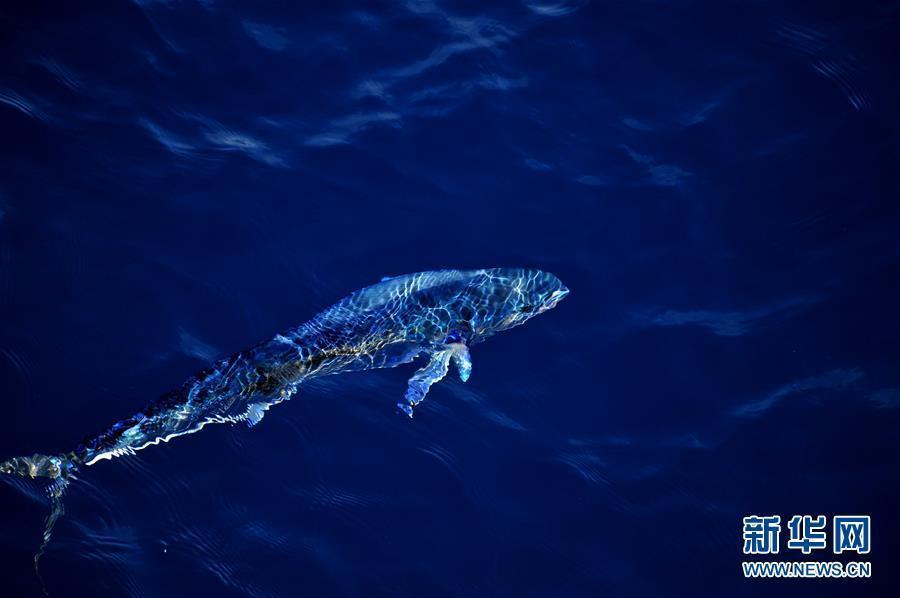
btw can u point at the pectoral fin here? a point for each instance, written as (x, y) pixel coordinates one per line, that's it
(435, 371)
(462, 360)
(422, 380)
(255, 412)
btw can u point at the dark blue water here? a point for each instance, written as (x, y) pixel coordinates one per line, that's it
(715, 181)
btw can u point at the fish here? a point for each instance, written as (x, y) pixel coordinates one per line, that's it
(437, 314)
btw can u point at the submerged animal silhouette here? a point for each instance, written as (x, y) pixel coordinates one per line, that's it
(439, 314)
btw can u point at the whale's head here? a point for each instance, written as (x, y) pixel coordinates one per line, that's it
(505, 297)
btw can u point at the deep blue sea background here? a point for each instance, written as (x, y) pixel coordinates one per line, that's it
(717, 183)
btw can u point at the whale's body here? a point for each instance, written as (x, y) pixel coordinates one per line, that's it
(438, 314)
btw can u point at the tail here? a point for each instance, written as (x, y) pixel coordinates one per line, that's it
(59, 469)
(42, 466)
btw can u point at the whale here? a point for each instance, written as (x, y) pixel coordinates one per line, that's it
(437, 315)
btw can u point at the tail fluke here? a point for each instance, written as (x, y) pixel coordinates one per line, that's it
(55, 492)
(59, 469)
(41, 466)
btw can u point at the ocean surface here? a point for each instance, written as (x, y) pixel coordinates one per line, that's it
(716, 182)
